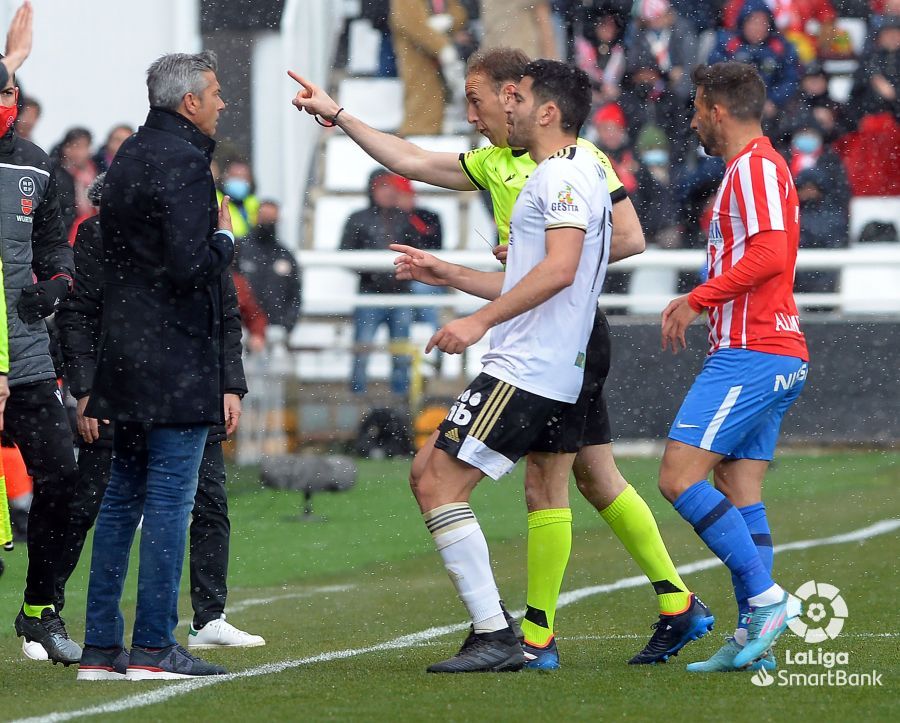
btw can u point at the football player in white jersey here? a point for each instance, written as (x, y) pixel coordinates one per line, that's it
(540, 317)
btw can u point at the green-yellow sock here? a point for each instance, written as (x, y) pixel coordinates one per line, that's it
(549, 545)
(633, 522)
(34, 611)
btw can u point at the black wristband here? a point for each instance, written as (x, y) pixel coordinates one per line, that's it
(329, 123)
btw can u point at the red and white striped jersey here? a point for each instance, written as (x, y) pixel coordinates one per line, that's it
(752, 307)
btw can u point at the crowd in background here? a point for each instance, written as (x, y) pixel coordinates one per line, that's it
(640, 53)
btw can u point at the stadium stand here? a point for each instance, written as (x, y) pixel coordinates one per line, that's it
(858, 281)
(323, 339)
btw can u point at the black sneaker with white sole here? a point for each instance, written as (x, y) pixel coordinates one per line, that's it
(171, 663)
(50, 631)
(672, 632)
(103, 663)
(497, 652)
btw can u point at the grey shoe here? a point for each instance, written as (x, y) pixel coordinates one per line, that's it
(50, 631)
(103, 663)
(171, 663)
(497, 652)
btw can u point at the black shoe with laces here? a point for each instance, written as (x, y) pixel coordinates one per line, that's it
(513, 624)
(50, 631)
(497, 652)
(673, 632)
(170, 663)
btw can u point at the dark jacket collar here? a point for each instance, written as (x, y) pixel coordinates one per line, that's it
(8, 142)
(172, 122)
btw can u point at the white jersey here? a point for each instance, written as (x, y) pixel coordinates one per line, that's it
(543, 350)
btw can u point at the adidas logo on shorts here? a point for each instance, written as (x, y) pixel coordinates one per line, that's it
(452, 435)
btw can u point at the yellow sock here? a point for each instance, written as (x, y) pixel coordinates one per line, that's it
(549, 545)
(633, 522)
(34, 611)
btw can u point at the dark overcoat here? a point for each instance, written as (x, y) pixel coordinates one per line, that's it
(160, 353)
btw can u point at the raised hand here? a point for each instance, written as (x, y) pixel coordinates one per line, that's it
(18, 38)
(313, 99)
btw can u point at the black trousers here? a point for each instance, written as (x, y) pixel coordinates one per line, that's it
(209, 533)
(36, 420)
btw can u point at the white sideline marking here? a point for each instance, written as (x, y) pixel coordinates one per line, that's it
(253, 602)
(632, 636)
(161, 695)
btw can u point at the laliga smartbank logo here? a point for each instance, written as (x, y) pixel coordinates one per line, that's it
(825, 609)
(823, 619)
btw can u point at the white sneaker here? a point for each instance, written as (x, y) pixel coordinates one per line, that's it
(222, 634)
(33, 650)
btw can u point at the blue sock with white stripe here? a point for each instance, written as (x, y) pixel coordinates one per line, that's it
(758, 524)
(725, 532)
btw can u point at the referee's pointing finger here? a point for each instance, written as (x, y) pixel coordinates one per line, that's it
(305, 83)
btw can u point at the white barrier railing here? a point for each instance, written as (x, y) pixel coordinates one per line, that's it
(881, 296)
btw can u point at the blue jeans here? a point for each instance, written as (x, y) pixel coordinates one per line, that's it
(154, 473)
(366, 321)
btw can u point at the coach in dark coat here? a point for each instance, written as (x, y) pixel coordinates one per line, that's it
(160, 365)
(161, 349)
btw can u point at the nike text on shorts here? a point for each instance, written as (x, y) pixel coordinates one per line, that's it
(737, 402)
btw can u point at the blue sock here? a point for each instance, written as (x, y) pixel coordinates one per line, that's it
(725, 532)
(758, 524)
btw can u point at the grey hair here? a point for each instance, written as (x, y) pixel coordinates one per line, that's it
(173, 76)
(93, 190)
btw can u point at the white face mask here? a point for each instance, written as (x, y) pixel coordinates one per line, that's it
(807, 142)
(655, 157)
(236, 188)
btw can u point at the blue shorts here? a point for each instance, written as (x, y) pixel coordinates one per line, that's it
(737, 402)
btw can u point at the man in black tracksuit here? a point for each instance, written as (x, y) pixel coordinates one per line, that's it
(79, 321)
(38, 267)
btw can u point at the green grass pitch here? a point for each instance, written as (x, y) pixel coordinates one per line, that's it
(341, 602)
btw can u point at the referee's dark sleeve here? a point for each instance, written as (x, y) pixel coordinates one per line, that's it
(620, 194)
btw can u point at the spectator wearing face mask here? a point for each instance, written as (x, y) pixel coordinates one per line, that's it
(809, 150)
(271, 270)
(654, 199)
(813, 100)
(237, 184)
(824, 194)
